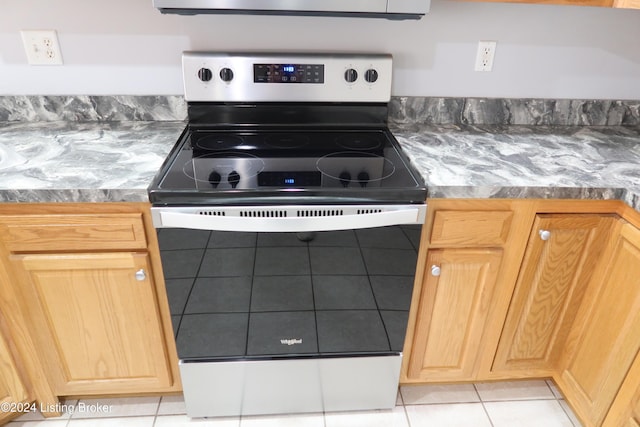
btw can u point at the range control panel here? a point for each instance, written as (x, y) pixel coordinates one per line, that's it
(298, 77)
(288, 73)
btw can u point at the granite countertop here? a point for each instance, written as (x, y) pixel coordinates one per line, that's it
(116, 161)
(526, 161)
(84, 161)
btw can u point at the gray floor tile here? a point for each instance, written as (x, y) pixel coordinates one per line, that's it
(333, 261)
(282, 261)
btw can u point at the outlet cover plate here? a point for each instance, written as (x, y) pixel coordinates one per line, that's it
(42, 47)
(484, 57)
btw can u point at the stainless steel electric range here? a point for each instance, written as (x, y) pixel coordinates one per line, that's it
(289, 221)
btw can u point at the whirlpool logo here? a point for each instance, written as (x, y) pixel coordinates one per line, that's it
(291, 341)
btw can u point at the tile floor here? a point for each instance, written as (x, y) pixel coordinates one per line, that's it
(503, 404)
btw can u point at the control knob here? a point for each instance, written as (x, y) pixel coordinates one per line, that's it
(205, 74)
(233, 178)
(351, 75)
(371, 75)
(363, 178)
(226, 74)
(214, 179)
(345, 179)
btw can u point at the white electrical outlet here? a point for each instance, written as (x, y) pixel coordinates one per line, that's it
(484, 57)
(42, 47)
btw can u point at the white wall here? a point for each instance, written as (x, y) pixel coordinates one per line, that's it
(123, 47)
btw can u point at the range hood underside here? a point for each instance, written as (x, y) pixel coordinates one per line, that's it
(385, 15)
(389, 9)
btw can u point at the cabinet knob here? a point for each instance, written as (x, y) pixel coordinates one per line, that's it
(435, 270)
(544, 234)
(141, 275)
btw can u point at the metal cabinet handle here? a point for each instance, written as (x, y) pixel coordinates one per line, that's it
(435, 270)
(544, 234)
(141, 275)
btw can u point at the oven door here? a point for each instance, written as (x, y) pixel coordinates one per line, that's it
(312, 318)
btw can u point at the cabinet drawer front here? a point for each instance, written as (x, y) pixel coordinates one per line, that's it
(485, 228)
(72, 232)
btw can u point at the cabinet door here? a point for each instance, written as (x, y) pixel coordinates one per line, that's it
(602, 350)
(634, 417)
(452, 312)
(12, 390)
(561, 254)
(97, 313)
(625, 410)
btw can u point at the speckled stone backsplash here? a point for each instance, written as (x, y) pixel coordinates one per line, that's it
(495, 111)
(423, 110)
(92, 108)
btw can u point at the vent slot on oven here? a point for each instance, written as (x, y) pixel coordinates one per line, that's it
(212, 213)
(263, 214)
(368, 211)
(320, 212)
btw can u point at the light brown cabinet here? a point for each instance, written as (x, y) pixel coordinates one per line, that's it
(626, 4)
(12, 387)
(464, 262)
(625, 410)
(606, 339)
(531, 289)
(97, 312)
(562, 252)
(453, 310)
(93, 296)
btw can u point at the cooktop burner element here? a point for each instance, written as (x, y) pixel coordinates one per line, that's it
(223, 170)
(359, 141)
(353, 167)
(286, 140)
(218, 141)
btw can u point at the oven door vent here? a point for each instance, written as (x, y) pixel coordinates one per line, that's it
(263, 213)
(320, 212)
(368, 211)
(212, 213)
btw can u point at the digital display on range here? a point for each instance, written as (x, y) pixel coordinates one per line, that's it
(285, 179)
(288, 73)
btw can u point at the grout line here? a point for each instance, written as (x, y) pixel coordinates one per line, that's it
(401, 396)
(475, 388)
(406, 415)
(571, 416)
(484, 408)
(525, 399)
(155, 417)
(404, 406)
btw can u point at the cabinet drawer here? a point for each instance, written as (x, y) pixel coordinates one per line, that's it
(485, 228)
(27, 233)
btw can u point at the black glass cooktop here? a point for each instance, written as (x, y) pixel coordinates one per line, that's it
(286, 165)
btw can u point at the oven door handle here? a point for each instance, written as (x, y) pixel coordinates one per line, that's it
(290, 224)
